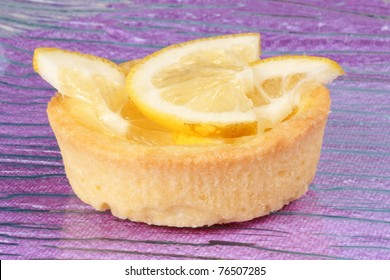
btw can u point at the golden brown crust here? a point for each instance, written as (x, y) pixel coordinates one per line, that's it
(192, 185)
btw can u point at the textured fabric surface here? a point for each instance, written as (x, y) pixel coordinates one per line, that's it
(345, 213)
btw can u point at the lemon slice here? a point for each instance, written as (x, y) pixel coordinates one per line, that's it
(280, 82)
(95, 80)
(100, 85)
(201, 87)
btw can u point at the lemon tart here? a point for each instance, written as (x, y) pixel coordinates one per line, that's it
(122, 156)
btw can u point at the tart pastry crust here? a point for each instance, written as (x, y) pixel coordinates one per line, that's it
(190, 186)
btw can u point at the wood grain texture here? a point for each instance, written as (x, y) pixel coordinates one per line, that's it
(345, 214)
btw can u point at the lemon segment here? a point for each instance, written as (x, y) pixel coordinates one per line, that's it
(201, 86)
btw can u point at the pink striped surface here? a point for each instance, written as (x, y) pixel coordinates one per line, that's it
(344, 215)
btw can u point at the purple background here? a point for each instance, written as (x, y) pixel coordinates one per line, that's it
(345, 214)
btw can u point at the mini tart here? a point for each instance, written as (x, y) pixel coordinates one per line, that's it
(190, 186)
